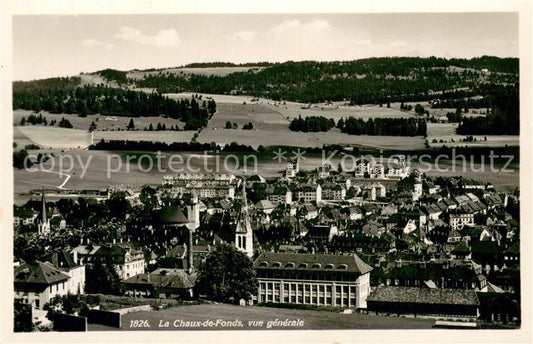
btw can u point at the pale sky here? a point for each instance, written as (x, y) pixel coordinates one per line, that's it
(52, 45)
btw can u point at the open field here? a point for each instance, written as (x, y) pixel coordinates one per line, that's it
(51, 137)
(292, 110)
(285, 137)
(216, 71)
(137, 174)
(259, 115)
(219, 98)
(442, 112)
(95, 79)
(445, 132)
(271, 125)
(155, 136)
(311, 320)
(102, 122)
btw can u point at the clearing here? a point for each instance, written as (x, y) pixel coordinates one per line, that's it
(444, 134)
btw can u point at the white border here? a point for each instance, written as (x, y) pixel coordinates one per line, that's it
(36, 7)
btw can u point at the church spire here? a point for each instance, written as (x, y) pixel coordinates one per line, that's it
(43, 210)
(44, 225)
(243, 231)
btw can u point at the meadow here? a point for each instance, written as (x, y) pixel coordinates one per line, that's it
(216, 71)
(445, 132)
(51, 137)
(102, 122)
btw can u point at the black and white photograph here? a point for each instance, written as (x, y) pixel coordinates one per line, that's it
(226, 173)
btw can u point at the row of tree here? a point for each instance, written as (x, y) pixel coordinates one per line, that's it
(383, 126)
(312, 124)
(89, 100)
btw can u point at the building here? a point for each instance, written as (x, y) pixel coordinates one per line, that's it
(424, 302)
(333, 192)
(323, 171)
(458, 221)
(162, 283)
(279, 194)
(355, 213)
(292, 169)
(309, 193)
(376, 171)
(377, 190)
(244, 240)
(397, 168)
(418, 189)
(313, 279)
(127, 261)
(36, 283)
(24, 216)
(43, 226)
(265, 206)
(321, 233)
(204, 185)
(66, 263)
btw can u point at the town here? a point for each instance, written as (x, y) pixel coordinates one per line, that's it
(381, 239)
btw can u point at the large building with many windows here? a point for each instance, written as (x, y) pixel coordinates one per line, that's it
(313, 279)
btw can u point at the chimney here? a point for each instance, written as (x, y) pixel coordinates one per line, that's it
(75, 257)
(148, 277)
(114, 241)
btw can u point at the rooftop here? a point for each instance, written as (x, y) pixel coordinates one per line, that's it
(322, 262)
(424, 295)
(39, 273)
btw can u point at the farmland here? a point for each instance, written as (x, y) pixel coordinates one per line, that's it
(155, 136)
(102, 122)
(444, 134)
(51, 137)
(285, 137)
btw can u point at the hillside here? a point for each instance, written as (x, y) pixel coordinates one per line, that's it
(463, 84)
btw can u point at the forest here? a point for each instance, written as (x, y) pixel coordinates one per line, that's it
(365, 81)
(503, 117)
(88, 100)
(312, 124)
(358, 126)
(384, 126)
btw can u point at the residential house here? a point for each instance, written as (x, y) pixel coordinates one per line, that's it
(309, 193)
(36, 283)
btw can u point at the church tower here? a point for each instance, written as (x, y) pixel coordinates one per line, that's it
(243, 232)
(44, 223)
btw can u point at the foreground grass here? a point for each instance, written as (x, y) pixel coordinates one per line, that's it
(232, 317)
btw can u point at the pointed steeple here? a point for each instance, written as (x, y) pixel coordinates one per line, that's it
(44, 225)
(243, 231)
(43, 209)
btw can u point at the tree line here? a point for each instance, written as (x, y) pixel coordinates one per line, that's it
(384, 126)
(114, 75)
(358, 126)
(89, 100)
(312, 124)
(503, 118)
(123, 145)
(365, 81)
